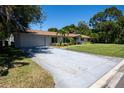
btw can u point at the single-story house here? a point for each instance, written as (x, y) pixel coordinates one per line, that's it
(36, 38)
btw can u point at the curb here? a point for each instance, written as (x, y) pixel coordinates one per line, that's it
(104, 80)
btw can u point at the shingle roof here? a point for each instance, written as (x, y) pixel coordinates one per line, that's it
(46, 33)
(84, 36)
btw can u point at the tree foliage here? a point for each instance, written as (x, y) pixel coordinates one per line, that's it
(108, 25)
(97, 18)
(112, 14)
(17, 18)
(83, 28)
(71, 28)
(108, 31)
(53, 30)
(109, 14)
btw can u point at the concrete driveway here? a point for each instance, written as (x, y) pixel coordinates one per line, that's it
(73, 69)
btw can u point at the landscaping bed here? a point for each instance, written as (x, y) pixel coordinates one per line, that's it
(21, 71)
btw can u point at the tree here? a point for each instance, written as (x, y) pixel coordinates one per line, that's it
(53, 30)
(112, 14)
(120, 38)
(121, 21)
(83, 28)
(62, 33)
(108, 31)
(71, 29)
(17, 18)
(109, 14)
(94, 37)
(108, 25)
(97, 18)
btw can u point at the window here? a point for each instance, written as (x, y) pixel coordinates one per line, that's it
(82, 39)
(54, 39)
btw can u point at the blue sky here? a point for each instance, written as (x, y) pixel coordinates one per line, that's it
(61, 15)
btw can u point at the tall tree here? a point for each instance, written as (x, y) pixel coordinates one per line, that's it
(97, 18)
(112, 14)
(109, 14)
(121, 21)
(62, 33)
(53, 30)
(120, 38)
(83, 28)
(107, 24)
(17, 18)
(108, 31)
(71, 28)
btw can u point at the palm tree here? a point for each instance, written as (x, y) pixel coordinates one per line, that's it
(67, 31)
(62, 33)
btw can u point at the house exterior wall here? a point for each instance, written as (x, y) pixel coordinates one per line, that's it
(17, 39)
(31, 40)
(78, 40)
(82, 40)
(48, 40)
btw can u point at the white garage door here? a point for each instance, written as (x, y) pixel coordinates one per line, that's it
(32, 40)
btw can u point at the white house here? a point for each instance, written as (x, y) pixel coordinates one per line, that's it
(36, 38)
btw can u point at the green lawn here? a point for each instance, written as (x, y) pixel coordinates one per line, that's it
(115, 50)
(23, 72)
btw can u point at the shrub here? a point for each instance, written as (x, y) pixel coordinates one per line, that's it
(53, 44)
(119, 41)
(72, 41)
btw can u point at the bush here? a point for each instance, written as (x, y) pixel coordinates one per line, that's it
(65, 44)
(72, 41)
(53, 44)
(119, 41)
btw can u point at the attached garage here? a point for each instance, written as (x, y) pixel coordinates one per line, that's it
(31, 40)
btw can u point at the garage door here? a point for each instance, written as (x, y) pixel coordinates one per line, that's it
(31, 40)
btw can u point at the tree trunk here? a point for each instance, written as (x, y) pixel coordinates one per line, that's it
(8, 19)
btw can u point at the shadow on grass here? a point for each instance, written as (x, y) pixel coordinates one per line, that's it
(4, 73)
(19, 64)
(7, 57)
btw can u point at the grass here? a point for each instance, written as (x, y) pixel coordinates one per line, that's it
(24, 73)
(115, 50)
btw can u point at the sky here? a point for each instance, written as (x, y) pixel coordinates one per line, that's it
(58, 16)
